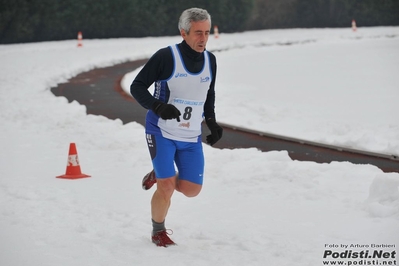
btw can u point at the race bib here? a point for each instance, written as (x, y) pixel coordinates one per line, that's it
(191, 115)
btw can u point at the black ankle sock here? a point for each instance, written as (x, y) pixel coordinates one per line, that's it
(156, 227)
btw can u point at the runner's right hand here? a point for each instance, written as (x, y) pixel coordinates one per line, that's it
(166, 111)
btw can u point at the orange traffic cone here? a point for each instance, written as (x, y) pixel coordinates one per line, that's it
(216, 32)
(354, 28)
(80, 39)
(73, 167)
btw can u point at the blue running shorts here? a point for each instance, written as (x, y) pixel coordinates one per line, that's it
(188, 157)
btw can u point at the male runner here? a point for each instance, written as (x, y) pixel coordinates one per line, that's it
(184, 77)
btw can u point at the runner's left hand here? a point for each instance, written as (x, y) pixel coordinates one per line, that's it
(216, 131)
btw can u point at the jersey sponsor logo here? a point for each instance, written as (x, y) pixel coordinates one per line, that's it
(187, 125)
(188, 102)
(181, 75)
(206, 79)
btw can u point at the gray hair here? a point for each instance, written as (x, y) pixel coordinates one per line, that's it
(193, 14)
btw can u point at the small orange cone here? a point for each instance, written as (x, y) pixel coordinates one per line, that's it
(354, 28)
(80, 39)
(216, 32)
(73, 167)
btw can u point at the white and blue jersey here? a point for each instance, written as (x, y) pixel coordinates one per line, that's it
(186, 79)
(188, 92)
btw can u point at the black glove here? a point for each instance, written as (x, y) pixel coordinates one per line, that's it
(166, 111)
(216, 131)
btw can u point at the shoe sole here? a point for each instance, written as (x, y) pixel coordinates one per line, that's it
(165, 246)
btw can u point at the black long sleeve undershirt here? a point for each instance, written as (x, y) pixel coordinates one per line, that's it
(160, 67)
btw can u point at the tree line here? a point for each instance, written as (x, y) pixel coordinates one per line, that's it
(45, 20)
(269, 14)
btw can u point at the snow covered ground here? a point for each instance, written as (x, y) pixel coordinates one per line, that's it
(327, 85)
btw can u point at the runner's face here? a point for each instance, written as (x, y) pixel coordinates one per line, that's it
(198, 35)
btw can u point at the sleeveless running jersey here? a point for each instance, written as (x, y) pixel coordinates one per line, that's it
(187, 91)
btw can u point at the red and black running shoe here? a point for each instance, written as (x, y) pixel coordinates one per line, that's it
(149, 180)
(161, 239)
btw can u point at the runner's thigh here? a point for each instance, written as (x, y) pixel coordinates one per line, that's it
(162, 153)
(190, 161)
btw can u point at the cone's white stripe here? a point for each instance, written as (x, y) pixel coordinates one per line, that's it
(73, 160)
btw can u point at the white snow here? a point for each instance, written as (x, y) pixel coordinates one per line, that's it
(326, 85)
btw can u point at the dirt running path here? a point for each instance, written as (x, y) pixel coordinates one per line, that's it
(100, 91)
